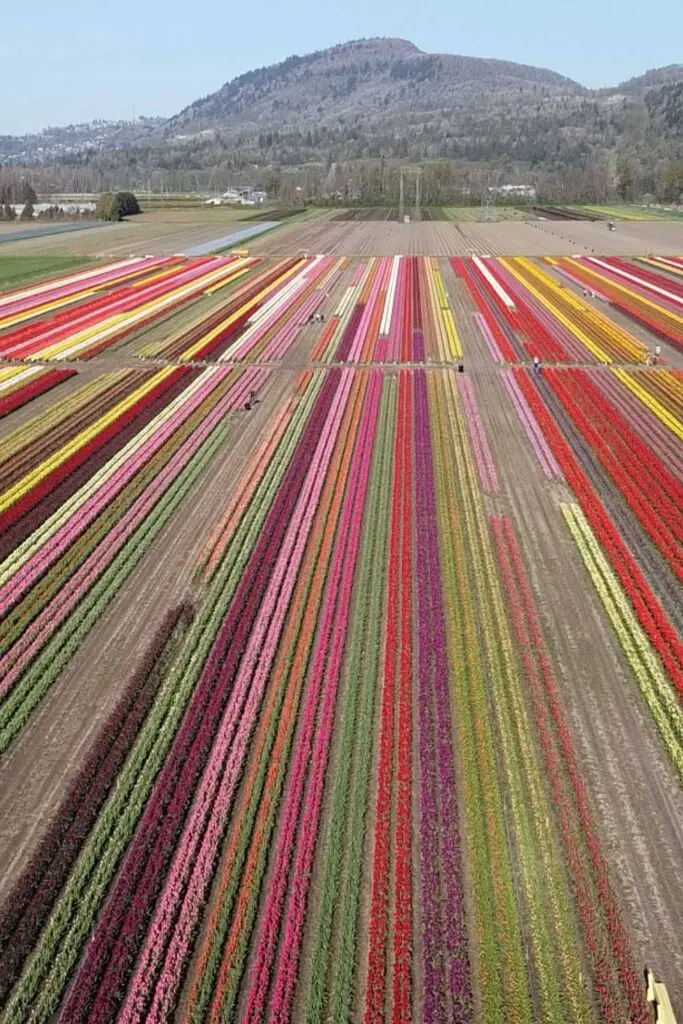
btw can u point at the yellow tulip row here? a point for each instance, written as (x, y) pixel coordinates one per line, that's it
(555, 947)
(447, 341)
(659, 695)
(75, 344)
(23, 552)
(669, 419)
(34, 476)
(605, 339)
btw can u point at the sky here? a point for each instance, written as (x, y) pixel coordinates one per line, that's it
(77, 61)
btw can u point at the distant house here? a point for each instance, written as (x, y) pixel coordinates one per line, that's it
(242, 195)
(514, 191)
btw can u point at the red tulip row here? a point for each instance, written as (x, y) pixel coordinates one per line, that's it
(652, 493)
(45, 445)
(649, 611)
(396, 678)
(127, 308)
(327, 665)
(641, 307)
(616, 980)
(38, 384)
(65, 469)
(502, 333)
(242, 298)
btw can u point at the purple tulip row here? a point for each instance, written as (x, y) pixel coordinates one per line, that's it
(447, 988)
(350, 332)
(120, 931)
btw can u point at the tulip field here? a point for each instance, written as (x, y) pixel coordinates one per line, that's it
(341, 652)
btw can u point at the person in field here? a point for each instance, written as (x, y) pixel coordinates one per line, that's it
(537, 366)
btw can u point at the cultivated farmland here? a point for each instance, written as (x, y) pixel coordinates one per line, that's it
(341, 657)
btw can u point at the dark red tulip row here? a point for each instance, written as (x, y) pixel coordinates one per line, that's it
(350, 332)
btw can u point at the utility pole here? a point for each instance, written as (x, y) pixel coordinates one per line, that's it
(418, 174)
(401, 202)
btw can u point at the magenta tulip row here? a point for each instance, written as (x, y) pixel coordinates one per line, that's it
(445, 963)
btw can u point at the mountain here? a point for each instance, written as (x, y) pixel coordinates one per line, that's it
(380, 79)
(669, 75)
(384, 99)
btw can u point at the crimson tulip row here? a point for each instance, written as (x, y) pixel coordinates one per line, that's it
(16, 397)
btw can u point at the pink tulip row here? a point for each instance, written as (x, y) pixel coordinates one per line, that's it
(111, 311)
(19, 657)
(579, 283)
(482, 453)
(533, 431)
(396, 330)
(376, 295)
(539, 314)
(289, 885)
(47, 554)
(118, 935)
(488, 338)
(28, 299)
(191, 872)
(358, 274)
(285, 979)
(282, 311)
